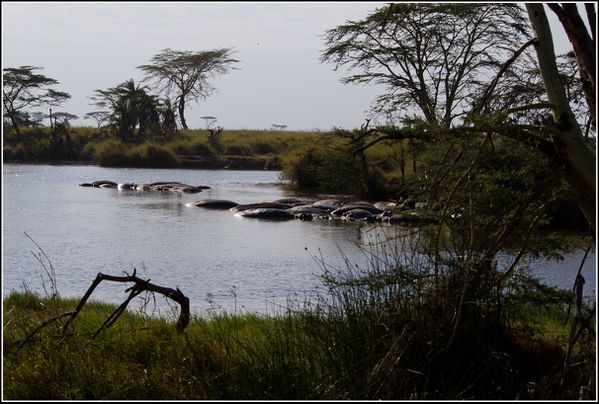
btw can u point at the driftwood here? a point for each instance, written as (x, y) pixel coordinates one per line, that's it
(139, 286)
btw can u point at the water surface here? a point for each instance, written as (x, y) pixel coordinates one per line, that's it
(219, 260)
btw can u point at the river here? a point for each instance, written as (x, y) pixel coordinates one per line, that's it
(221, 261)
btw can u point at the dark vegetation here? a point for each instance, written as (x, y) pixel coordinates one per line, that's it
(386, 332)
(502, 162)
(241, 149)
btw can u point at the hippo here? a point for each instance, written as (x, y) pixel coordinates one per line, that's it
(167, 186)
(267, 213)
(213, 204)
(86, 184)
(356, 215)
(328, 205)
(143, 187)
(328, 202)
(307, 209)
(126, 186)
(385, 205)
(346, 208)
(188, 189)
(304, 216)
(308, 212)
(174, 186)
(100, 183)
(290, 201)
(260, 205)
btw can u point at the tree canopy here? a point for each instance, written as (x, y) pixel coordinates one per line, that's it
(24, 88)
(432, 58)
(185, 75)
(133, 108)
(440, 62)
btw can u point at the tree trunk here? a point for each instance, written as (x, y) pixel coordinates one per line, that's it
(13, 121)
(584, 49)
(577, 160)
(182, 112)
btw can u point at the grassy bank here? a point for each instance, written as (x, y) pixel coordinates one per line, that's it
(234, 149)
(351, 349)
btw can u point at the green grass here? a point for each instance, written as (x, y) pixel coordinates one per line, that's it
(226, 357)
(356, 348)
(100, 146)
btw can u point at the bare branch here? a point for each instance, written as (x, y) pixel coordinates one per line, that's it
(139, 286)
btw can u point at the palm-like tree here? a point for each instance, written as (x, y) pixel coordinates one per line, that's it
(132, 108)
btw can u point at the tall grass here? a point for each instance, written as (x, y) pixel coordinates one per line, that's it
(386, 330)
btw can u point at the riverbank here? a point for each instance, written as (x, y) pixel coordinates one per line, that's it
(182, 161)
(311, 354)
(234, 149)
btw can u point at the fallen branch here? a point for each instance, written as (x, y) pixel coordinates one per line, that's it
(42, 325)
(139, 286)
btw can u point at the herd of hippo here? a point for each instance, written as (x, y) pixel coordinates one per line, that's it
(152, 186)
(290, 208)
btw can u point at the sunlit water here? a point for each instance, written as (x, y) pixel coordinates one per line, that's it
(219, 260)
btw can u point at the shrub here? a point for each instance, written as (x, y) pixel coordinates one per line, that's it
(202, 149)
(16, 152)
(111, 153)
(264, 147)
(152, 155)
(88, 151)
(324, 166)
(238, 150)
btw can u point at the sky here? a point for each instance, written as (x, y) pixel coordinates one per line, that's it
(280, 80)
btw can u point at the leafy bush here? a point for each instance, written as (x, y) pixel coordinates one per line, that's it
(325, 165)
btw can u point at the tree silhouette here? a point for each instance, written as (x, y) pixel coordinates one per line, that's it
(185, 76)
(24, 88)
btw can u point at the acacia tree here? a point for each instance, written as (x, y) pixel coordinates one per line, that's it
(402, 47)
(99, 116)
(24, 88)
(185, 75)
(430, 57)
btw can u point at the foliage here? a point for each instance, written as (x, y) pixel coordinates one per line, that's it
(215, 139)
(23, 88)
(136, 114)
(113, 153)
(153, 155)
(192, 148)
(430, 57)
(184, 75)
(325, 165)
(99, 116)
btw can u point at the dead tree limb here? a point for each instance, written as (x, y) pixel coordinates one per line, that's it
(44, 324)
(139, 286)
